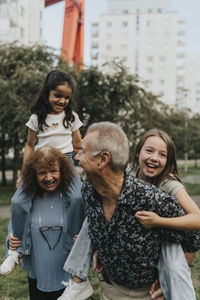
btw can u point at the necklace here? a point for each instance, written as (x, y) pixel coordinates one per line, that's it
(56, 229)
(52, 204)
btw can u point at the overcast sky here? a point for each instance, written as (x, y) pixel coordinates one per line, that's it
(54, 14)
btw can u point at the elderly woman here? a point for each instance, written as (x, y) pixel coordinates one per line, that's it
(55, 219)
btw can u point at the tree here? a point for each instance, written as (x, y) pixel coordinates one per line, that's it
(22, 70)
(116, 96)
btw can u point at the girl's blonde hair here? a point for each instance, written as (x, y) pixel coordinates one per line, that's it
(171, 170)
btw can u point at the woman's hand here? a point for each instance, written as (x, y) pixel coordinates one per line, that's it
(156, 292)
(148, 219)
(14, 242)
(96, 264)
(18, 181)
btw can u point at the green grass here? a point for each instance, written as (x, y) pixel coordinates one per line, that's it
(192, 188)
(6, 193)
(195, 267)
(14, 286)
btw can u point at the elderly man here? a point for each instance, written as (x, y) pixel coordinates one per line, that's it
(128, 253)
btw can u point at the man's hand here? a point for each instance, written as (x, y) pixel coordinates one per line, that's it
(156, 292)
(14, 242)
(96, 264)
(148, 219)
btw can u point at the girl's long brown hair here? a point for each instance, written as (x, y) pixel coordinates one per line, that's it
(171, 170)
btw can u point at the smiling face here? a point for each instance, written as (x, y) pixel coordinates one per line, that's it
(59, 98)
(49, 178)
(152, 158)
(86, 159)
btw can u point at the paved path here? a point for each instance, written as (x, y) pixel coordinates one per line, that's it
(5, 209)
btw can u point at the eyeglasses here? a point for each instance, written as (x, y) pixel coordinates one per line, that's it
(43, 229)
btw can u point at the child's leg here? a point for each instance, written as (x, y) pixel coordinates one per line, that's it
(78, 264)
(174, 273)
(20, 228)
(79, 260)
(21, 203)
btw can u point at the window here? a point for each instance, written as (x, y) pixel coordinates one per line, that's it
(124, 47)
(21, 32)
(108, 47)
(108, 36)
(108, 24)
(149, 82)
(150, 23)
(149, 70)
(161, 81)
(162, 58)
(149, 58)
(21, 11)
(124, 24)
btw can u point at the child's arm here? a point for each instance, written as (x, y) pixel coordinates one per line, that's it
(191, 221)
(29, 147)
(76, 139)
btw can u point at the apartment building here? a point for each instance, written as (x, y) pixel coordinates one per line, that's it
(149, 39)
(191, 92)
(21, 21)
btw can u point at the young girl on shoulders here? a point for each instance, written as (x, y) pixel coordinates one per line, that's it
(155, 162)
(52, 123)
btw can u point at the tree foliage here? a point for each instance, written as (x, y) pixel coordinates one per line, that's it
(116, 96)
(22, 69)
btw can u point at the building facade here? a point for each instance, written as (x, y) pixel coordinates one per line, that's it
(191, 93)
(21, 21)
(149, 40)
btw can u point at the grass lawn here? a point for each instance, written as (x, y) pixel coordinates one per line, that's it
(6, 193)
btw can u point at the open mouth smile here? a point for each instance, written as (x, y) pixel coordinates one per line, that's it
(149, 165)
(49, 183)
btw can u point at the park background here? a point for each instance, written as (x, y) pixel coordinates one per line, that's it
(118, 97)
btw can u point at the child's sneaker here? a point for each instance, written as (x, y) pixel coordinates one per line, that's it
(76, 291)
(10, 262)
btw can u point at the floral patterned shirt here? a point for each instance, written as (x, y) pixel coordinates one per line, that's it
(128, 252)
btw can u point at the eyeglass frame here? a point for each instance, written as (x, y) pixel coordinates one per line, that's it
(42, 228)
(47, 228)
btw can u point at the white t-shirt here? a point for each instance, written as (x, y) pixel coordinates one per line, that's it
(56, 135)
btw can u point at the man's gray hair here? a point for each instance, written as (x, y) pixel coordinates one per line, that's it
(113, 139)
